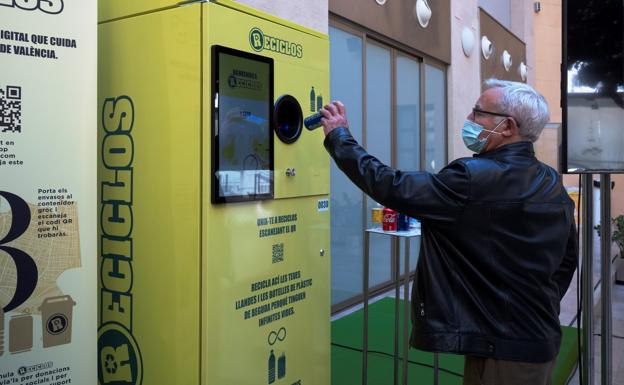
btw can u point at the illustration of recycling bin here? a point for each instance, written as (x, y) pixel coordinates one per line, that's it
(56, 320)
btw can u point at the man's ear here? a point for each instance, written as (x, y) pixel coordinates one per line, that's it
(511, 128)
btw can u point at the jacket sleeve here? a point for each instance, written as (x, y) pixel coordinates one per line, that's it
(563, 276)
(420, 195)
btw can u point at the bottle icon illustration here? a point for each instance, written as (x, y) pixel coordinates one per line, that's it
(281, 366)
(271, 367)
(319, 102)
(312, 100)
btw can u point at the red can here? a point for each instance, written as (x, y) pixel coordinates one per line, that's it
(389, 220)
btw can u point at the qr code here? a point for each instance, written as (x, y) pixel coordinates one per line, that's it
(278, 252)
(11, 109)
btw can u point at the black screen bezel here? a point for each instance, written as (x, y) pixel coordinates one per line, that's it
(217, 198)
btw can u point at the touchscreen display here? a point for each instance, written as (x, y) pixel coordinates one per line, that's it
(243, 135)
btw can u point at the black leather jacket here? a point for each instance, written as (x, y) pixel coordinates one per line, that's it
(498, 248)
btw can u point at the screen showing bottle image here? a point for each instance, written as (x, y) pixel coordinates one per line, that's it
(244, 126)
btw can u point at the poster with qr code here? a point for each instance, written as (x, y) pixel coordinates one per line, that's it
(47, 191)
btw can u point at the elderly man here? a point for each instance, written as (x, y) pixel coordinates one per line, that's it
(498, 246)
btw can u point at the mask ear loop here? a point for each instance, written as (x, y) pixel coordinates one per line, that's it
(494, 130)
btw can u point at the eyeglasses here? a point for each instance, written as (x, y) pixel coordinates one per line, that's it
(477, 110)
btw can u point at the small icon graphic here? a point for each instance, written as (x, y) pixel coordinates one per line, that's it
(119, 358)
(319, 102)
(275, 336)
(1, 331)
(312, 100)
(281, 366)
(116, 364)
(232, 81)
(20, 333)
(271, 367)
(56, 320)
(57, 324)
(256, 39)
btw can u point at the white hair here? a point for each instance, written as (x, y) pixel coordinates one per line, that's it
(524, 104)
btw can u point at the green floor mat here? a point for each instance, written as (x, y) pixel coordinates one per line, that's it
(347, 356)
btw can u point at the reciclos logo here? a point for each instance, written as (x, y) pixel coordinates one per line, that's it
(119, 356)
(259, 41)
(52, 7)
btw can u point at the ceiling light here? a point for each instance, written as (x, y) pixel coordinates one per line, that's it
(468, 41)
(486, 47)
(422, 11)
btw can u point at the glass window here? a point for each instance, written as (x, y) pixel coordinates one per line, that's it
(408, 113)
(346, 199)
(435, 119)
(408, 129)
(382, 111)
(379, 144)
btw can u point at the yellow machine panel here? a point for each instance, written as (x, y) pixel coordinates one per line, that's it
(149, 182)
(193, 292)
(301, 62)
(114, 9)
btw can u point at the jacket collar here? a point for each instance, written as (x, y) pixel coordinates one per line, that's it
(523, 148)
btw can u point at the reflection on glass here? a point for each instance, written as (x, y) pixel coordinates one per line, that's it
(378, 141)
(408, 131)
(435, 119)
(408, 113)
(595, 84)
(346, 199)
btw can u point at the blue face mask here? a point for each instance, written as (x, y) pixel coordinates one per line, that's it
(470, 135)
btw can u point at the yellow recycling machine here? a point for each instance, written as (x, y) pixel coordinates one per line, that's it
(213, 202)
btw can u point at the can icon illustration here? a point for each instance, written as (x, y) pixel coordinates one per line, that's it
(281, 366)
(56, 320)
(20, 333)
